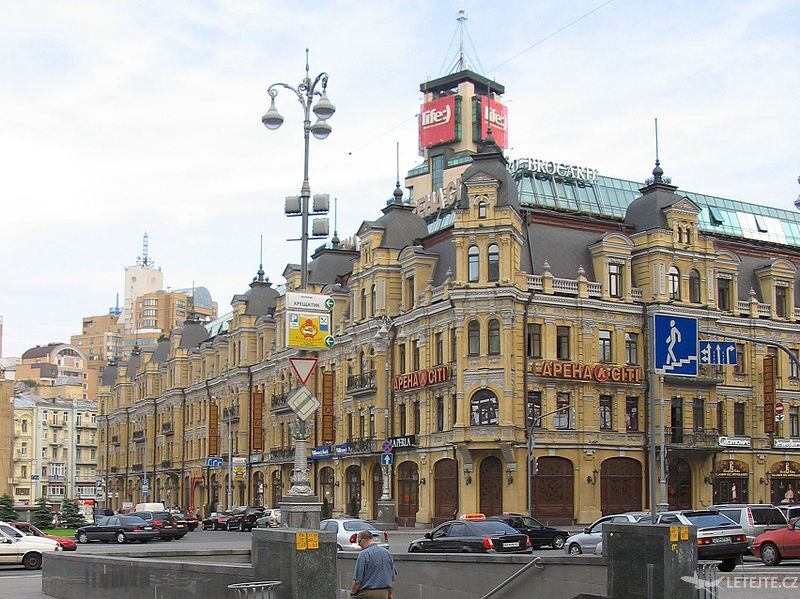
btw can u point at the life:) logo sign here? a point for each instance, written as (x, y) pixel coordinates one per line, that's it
(437, 123)
(494, 115)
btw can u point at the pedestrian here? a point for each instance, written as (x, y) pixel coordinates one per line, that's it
(374, 573)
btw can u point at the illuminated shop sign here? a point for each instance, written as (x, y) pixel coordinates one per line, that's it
(559, 169)
(601, 373)
(421, 378)
(494, 115)
(734, 441)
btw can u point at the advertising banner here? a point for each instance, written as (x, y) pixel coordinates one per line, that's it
(213, 429)
(437, 122)
(327, 408)
(308, 330)
(257, 424)
(239, 468)
(494, 115)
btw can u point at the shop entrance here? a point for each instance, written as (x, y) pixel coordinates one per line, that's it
(784, 482)
(490, 481)
(407, 494)
(620, 486)
(731, 482)
(553, 490)
(445, 483)
(679, 485)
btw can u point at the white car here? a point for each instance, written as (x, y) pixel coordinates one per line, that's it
(270, 518)
(346, 530)
(587, 541)
(18, 548)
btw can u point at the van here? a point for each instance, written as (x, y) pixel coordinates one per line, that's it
(150, 507)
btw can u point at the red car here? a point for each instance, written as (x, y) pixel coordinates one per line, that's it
(776, 545)
(66, 543)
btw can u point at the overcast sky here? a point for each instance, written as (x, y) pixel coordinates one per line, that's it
(123, 117)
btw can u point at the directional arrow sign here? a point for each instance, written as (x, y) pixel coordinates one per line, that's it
(303, 367)
(717, 353)
(303, 403)
(386, 459)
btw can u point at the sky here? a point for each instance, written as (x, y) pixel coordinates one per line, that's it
(118, 118)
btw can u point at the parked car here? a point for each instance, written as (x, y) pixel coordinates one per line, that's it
(187, 519)
(215, 521)
(66, 543)
(754, 518)
(586, 541)
(19, 548)
(270, 518)
(346, 530)
(790, 511)
(119, 529)
(539, 534)
(718, 537)
(472, 536)
(246, 521)
(235, 518)
(164, 523)
(774, 546)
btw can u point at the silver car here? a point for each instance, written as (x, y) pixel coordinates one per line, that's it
(586, 541)
(346, 530)
(754, 518)
(269, 519)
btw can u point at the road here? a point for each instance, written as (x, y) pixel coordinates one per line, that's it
(748, 580)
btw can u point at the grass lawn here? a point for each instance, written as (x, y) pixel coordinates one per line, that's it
(60, 532)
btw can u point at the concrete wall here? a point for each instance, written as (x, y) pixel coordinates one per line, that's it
(463, 576)
(156, 575)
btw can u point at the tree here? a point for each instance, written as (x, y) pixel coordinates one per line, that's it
(71, 516)
(7, 511)
(43, 515)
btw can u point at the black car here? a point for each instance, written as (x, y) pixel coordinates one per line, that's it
(245, 520)
(481, 536)
(187, 519)
(164, 523)
(119, 529)
(539, 534)
(216, 521)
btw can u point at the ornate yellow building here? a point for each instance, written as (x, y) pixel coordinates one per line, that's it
(513, 310)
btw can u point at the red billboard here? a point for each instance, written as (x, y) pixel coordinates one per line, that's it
(494, 115)
(437, 122)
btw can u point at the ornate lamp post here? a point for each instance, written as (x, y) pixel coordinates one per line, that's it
(307, 91)
(387, 509)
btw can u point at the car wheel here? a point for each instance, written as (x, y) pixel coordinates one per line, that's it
(413, 549)
(727, 565)
(770, 555)
(120, 537)
(83, 537)
(32, 561)
(575, 549)
(558, 542)
(167, 538)
(143, 541)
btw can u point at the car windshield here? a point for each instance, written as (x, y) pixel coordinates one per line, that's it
(491, 527)
(767, 515)
(708, 519)
(357, 525)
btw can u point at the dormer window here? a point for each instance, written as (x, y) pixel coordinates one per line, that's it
(780, 301)
(724, 294)
(615, 279)
(481, 209)
(680, 235)
(715, 216)
(761, 224)
(688, 236)
(674, 278)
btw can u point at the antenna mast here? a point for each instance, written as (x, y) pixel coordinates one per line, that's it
(462, 57)
(145, 249)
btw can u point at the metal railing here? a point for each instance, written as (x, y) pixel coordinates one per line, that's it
(707, 579)
(361, 382)
(534, 563)
(267, 589)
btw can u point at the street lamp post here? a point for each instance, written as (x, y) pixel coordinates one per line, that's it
(531, 445)
(307, 92)
(387, 509)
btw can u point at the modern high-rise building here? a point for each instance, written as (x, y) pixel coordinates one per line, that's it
(140, 278)
(101, 340)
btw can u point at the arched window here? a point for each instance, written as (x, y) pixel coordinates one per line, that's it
(483, 408)
(694, 287)
(363, 304)
(494, 337)
(680, 235)
(688, 235)
(494, 263)
(373, 297)
(674, 279)
(474, 336)
(24, 425)
(474, 264)
(481, 209)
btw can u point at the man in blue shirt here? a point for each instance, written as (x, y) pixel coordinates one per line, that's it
(374, 574)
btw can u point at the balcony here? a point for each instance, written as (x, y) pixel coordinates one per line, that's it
(166, 429)
(166, 464)
(279, 404)
(115, 440)
(56, 477)
(56, 424)
(55, 442)
(678, 438)
(358, 384)
(137, 468)
(363, 446)
(230, 414)
(86, 443)
(138, 436)
(281, 455)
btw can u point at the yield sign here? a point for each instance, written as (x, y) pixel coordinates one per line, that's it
(303, 367)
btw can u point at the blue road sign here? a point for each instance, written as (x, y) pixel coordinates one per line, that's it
(717, 352)
(675, 345)
(387, 459)
(214, 462)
